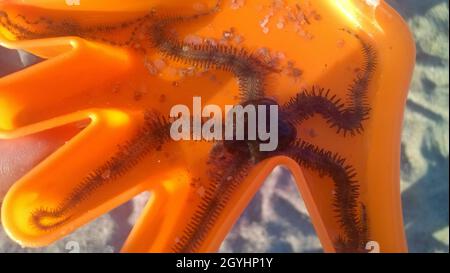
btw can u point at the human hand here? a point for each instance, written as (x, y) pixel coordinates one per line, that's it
(18, 156)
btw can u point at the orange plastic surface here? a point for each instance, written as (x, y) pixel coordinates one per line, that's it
(112, 86)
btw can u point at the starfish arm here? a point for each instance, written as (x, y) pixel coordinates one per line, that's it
(226, 172)
(346, 117)
(307, 104)
(346, 189)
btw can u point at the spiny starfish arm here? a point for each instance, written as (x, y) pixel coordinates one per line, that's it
(346, 188)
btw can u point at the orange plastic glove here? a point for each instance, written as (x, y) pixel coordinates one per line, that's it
(106, 66)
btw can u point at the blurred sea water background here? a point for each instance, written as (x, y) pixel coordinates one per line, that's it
(277, 221)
